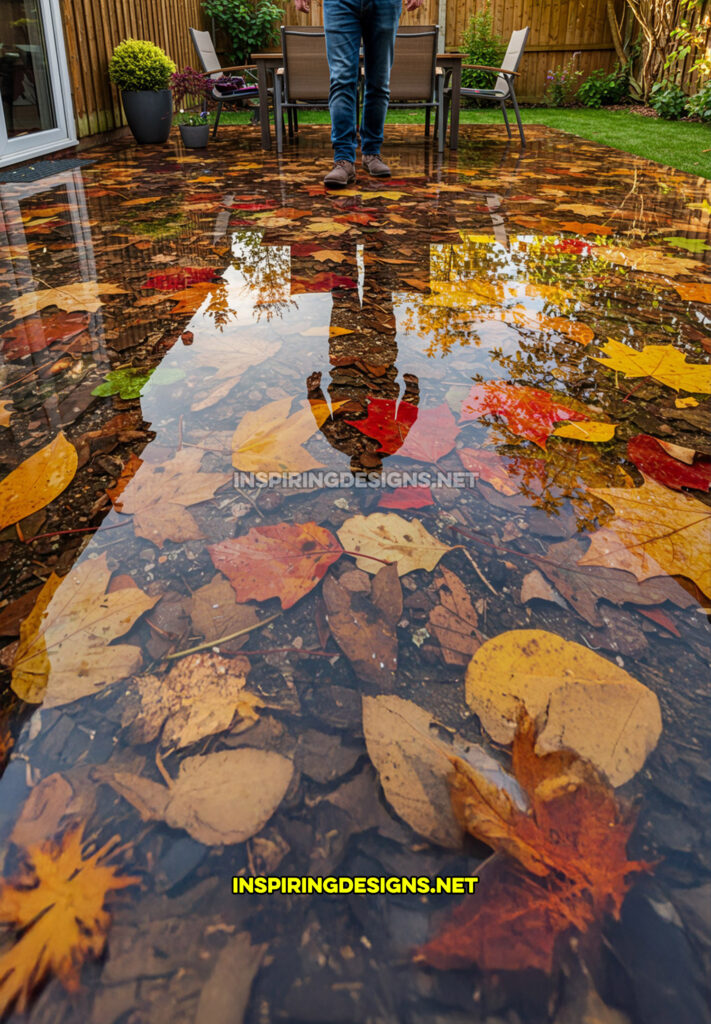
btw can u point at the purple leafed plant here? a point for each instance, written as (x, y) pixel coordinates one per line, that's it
(190, 89)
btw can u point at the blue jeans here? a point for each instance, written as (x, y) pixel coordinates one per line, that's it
(347, 22)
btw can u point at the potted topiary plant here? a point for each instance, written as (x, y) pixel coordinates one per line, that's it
(141, 71)
(190, 91)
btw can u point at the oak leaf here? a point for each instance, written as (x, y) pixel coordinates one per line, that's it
(386, 537)
(286, 560)
(528, 412)
(217, 798)
(662, 363)
(199, 697)
(580, 700)
(82, 296)
(654, 532)
(65, 650)
(57, 905)
(157, 496)
(37, 481)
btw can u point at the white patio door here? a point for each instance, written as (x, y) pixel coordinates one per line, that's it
(36, 112)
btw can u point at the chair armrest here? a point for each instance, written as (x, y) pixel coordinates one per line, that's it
(235, 67)
(485, 67)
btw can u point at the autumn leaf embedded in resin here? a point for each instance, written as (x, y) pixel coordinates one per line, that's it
(383, 537)
(65, 650)
(652, 457)
(528, 412)
(286, 560)
(269, 440)
(662, 363)
(82, 296)
(37, 481)
(56, 904)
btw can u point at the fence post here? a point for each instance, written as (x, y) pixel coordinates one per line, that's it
(442, 22)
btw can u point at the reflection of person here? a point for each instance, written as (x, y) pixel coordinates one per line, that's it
(364, 386)
(347, 23)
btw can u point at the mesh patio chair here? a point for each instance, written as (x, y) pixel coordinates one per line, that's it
(415, 79)
(503, 89)
(211, 66)
(304, 80)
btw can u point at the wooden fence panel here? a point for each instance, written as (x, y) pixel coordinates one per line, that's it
(94, 27)
(559, 28)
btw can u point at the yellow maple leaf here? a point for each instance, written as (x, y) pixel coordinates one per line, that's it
(65, 650)
(56, 904)
(37, 481)
(83, 295)
(662, 363)
(655, 531)
(386, 537)
(269, 440)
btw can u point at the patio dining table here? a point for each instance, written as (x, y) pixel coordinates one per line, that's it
(268, 63)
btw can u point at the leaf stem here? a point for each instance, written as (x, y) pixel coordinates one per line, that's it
(222, 639)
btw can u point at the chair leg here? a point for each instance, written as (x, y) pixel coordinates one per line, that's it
(506, 120)
(278, 119)
(442, 108)
(427, 123)
(290, 120)
(217, 119)
(296, 121)
(518, 115)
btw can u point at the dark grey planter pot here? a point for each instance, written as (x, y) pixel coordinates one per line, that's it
(149, 114)
(195, 136)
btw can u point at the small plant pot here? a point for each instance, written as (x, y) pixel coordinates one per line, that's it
(149, 114)
(195, 136)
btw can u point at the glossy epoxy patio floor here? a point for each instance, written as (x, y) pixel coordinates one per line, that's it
(490, 378)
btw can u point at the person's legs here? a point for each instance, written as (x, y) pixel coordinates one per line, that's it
(379, 24)
(341, 21)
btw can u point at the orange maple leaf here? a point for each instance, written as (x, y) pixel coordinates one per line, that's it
(57, 904)
(561, 865)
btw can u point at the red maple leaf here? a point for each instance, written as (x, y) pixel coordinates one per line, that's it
(182, 277)
(528, 412)
(387, 422)
(433, 436)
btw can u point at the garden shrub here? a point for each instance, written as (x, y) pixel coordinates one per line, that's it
(138, 65)
(668, 100)
(603, 88)
(251, 25)
(563, 83)
(699, 105)
(482, 46)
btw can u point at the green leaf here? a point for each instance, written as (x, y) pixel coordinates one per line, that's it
(690, 244)
(133, 382)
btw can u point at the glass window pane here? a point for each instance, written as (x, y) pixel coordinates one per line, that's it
(25, 84)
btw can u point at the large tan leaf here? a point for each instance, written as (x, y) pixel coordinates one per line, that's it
(453, 621)
(198, 697)
(413, 765)
(655, 531)
(386, 537)
(365, 632)
(647, 261)
(65, 650)
(83, 295)
(157, 495)
(37, 481)
(583, 702)
(269, 440)
(219, 798)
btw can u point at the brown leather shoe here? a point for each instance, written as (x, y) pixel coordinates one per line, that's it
(375, 166)
(342, 175)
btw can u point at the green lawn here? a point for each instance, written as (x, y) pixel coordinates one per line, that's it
(685, 145)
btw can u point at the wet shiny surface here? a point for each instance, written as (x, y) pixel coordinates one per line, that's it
(177, 316)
